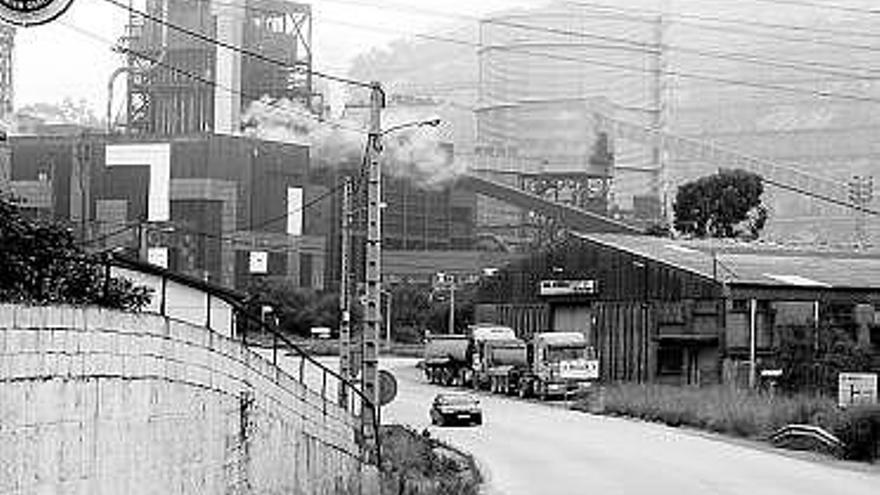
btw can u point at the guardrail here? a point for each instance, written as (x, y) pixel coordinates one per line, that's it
(797, 434)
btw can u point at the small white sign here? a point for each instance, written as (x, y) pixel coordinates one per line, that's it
(567, 287)
(259, 262)
(158, 256)
(295, 210)
(857, 388)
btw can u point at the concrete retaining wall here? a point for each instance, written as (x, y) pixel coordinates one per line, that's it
(93, 402)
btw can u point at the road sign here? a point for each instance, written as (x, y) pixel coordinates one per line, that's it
(387, 387)
(857, 388)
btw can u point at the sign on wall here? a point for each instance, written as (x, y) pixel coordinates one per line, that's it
(567, 287)
(857, 388)
(259, 262)
(294, 210)
(158, 256)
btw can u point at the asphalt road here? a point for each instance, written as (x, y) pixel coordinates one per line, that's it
(528, 448)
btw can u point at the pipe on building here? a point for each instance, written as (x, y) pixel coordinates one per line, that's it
(753, 331)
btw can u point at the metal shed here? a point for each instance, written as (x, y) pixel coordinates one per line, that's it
(681, 311)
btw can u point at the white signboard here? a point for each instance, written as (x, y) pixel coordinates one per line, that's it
(294, 210)
(158, 256)
(259, 262)
(567, 287)
(857, 388)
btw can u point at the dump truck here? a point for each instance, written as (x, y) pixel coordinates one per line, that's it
(446, 359)
(560, 363)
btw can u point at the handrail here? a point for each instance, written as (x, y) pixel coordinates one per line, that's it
(305, 356)
(104, 261)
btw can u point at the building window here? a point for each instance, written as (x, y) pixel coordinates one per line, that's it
(740, 305)
(670, 360)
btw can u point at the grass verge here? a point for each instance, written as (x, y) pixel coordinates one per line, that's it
(414, 463)
(743, 413)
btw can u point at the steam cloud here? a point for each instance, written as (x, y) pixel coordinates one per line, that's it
(415, 153)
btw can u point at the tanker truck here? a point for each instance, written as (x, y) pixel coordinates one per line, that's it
(481, 335)
(446, 359)
(504, 365)
(559, 363)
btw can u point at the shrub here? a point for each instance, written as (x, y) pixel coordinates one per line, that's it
(721, 409)
(416, 463)
(859, 429)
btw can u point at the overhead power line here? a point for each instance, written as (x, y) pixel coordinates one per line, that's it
(773, 26)
(826, 6)
(678, 73)
(624, 44)
(229, 46)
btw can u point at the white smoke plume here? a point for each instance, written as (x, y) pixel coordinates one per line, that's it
(289, 122)
(417, 152)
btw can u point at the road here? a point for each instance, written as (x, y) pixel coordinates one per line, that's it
(528, 448)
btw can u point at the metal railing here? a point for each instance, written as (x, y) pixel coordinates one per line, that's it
(250, 329)
(280, 346)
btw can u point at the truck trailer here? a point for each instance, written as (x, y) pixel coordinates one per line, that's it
(446, 359)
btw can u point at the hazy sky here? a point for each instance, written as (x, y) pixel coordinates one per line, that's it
(58, 60)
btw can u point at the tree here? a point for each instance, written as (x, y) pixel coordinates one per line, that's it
(41, 263)
(812, 358)
(67, 112)
(725, 204)
(297, 309)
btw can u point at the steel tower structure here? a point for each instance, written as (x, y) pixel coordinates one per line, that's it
(179, 82)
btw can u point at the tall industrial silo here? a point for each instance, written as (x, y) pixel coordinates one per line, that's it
(542, 73)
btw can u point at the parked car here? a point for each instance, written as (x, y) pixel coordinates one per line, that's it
(456, 407)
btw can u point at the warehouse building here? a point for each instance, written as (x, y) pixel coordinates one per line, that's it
(683, 312)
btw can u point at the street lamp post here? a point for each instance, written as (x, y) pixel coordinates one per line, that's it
(373, 258)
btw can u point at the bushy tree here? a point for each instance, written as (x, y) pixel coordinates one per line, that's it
(725, 204)
(812, 358)
(297, 309)
(41, 263)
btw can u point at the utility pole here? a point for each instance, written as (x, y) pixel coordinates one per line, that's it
(345, 369)
(373, 269)
(388, 321)
(452, 307)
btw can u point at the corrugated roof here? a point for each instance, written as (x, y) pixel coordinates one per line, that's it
(754, 263)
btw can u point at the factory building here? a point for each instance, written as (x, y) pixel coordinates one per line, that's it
(174, 181)
(220, 208)
(683, 312)
(695, 71)
(729, 74)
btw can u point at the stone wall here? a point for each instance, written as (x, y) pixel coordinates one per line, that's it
(94, 401)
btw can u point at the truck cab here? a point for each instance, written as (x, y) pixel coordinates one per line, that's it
(561, 363)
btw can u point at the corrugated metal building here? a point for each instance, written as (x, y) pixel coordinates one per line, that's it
(678, 311)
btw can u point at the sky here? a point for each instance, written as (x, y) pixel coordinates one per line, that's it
(71, 57)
